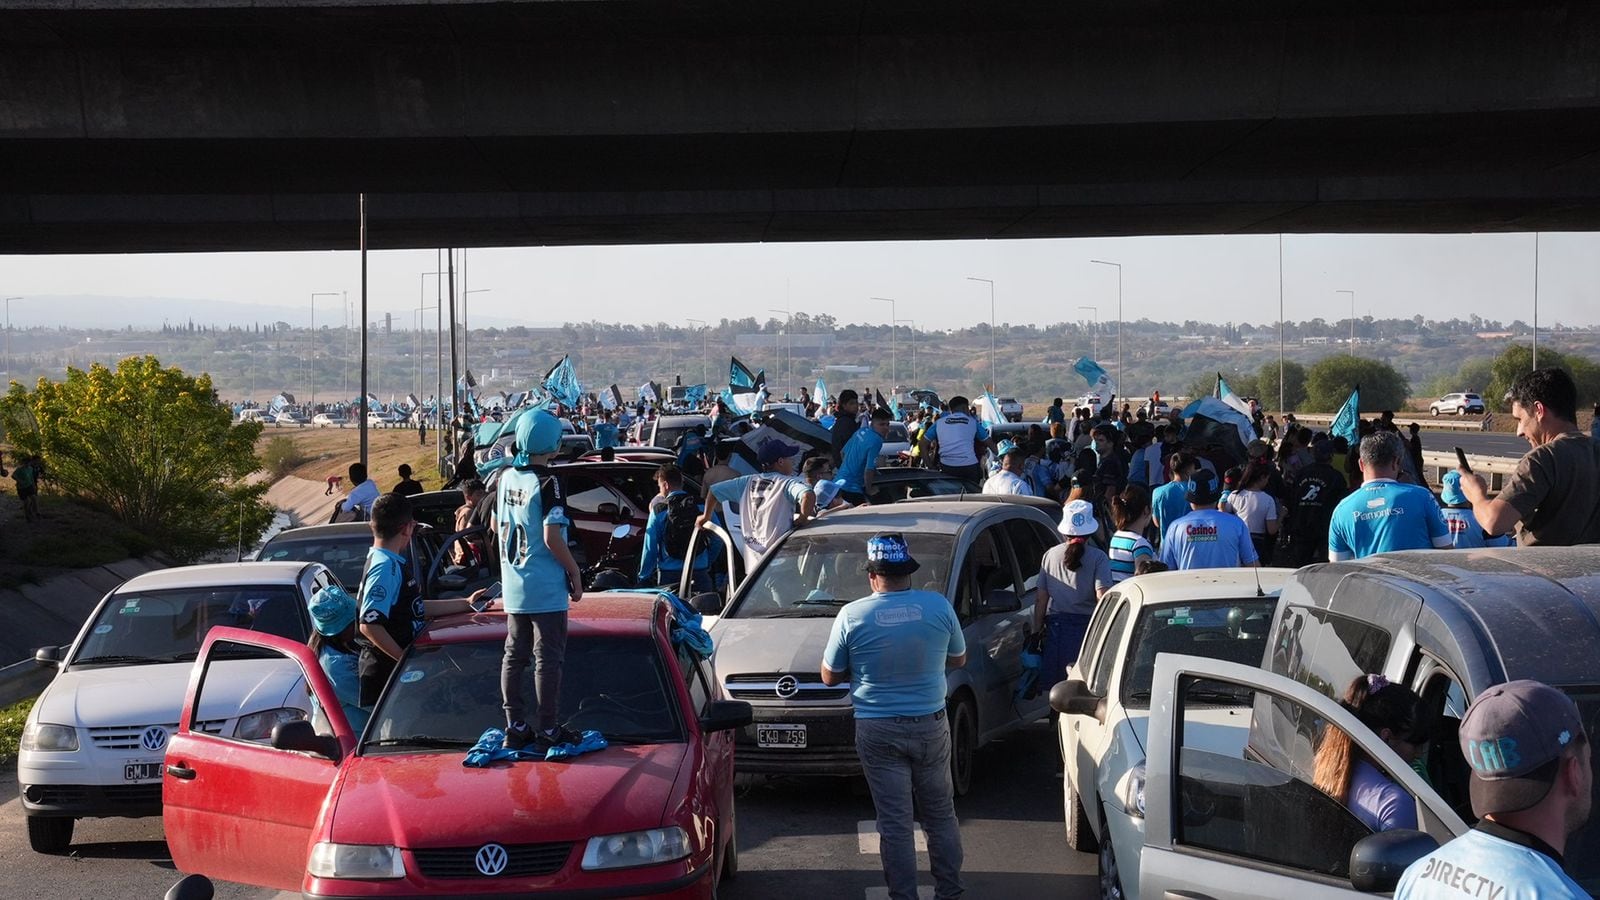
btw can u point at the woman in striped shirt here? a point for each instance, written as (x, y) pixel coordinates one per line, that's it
(1131, 511)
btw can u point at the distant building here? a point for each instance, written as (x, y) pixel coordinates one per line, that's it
(820, 343)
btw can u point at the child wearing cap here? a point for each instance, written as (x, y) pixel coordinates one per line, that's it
(333, 640)
(1465, 532)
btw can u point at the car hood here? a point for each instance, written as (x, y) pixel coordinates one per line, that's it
(754, 646)
(1215, 729)
(153, 694)
(432, 800)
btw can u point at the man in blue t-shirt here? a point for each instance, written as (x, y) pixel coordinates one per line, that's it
(605, 432)
(859, 459)
(894, 647)
(1382, 514)
(540, 579)
(1170, 502)
(1531, 784)
(956, 436)
(1207, 538)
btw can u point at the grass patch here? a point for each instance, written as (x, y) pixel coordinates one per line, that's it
(12, 719)
(282, 455)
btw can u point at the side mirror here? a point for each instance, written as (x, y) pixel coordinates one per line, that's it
(707, 603)
(726, 715)
(47, 657)
(1073, 698)
(621, 531)
(1000, 602)
(191, 887)
(299, 735)
(1377, 860)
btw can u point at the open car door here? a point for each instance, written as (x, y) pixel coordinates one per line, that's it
(1221, 822)
(242, 808)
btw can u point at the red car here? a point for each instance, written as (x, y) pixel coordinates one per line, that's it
(394, 812)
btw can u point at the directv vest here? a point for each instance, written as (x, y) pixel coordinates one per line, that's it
(956, 433)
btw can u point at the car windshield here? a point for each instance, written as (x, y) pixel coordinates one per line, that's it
(449, 694)
(136, 627)
(345, 554)
(887, 490)
(667, 435)
(897, 434)
(813, 574)
(1230, 630)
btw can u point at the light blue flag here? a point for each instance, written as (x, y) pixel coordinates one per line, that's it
(820, 392)
(1347, 423)
(991, 409)
(694, 393)
(561, 383)
(1226, 395)
(1099, 381)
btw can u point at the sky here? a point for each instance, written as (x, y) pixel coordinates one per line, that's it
(1208, 278)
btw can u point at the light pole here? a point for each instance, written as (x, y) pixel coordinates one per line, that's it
(1094, 336)
(894, 375)
(913, 324)
(990, 283)
(464, 329)
(1535, 301)
(8, 333)
(1352, 320)
(314, 297)
(705, 351)
(1101, 262)
(1280, 322)
(788, 330)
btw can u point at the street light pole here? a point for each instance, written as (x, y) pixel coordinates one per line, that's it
(8, 334)
(788, 330)
(990, 283)
(1121, 386)
(1280, 322)
(705, 351)
(313, 367)
(913, 324)
(1094, 336)
(1352, 320)
(1535, 300)
(894, 374)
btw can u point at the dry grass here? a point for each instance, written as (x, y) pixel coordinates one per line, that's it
(330, 451)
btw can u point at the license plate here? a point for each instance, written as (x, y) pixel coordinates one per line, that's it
(141, 771)
(793, 736)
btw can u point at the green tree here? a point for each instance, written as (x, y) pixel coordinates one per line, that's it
(1294, 384)
(150, 444)
(1238, 382)
(1474, 375)
(1518, 358)
(1330, 380)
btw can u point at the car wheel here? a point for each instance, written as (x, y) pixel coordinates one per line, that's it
(963, 746)
(1110, 877)
(49, 834)
(1079, 835)
(1434, 411)
(1461, 410)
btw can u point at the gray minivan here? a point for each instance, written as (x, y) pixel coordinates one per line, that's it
(981, 552)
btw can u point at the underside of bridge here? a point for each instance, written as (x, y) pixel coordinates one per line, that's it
(144, 125)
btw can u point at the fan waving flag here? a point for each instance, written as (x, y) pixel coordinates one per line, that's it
(561, 383)
(1099, 381)
(991, 409)
(740, 377)
(1226, 395)
(610, 398)
(1347, 423)
(647, 392)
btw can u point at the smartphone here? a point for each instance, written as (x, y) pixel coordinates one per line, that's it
(490, 594)
(1461, 460)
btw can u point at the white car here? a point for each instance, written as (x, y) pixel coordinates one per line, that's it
(1010, 409)
(1105, 701)
(290, 418)
(329, 420)
(1458, 404)
(897, 441)
(94, 742)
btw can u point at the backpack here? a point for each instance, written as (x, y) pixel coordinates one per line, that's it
(682, 512)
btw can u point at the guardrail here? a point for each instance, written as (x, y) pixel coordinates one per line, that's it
(23, 679)
(1494, 469)
(1453, 423)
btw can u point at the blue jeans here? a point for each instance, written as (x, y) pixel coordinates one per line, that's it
(907, 765)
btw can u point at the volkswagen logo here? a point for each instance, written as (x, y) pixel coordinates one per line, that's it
(491, 859)
(787, 687)
(154, 738)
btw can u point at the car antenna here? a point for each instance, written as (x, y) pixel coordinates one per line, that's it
(1257, 569)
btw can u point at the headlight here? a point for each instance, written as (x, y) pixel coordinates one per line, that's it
(368, 861)
(258, 727)
(1130, 791)
(49, 738)
(638, 848)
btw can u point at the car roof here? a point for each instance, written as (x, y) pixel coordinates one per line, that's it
(1044, 504)
(942, 515)
(1517, 603)
(621, 613)
(1204, 584)
(335, 529)
(239, 574)
(674, 421)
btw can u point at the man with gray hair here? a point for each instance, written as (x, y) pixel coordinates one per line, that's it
(1383, 514)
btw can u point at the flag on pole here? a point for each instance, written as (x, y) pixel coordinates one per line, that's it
(694, 393)
(610, 398)
(741, 378)
(819, 393)
(991, 409)
(878, 398)
(561, 383)
(1347, 424)
(1226, 395)
(1095, 375)
(647, 392)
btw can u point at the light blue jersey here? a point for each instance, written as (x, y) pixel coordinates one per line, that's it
(1466, 534)
(860, 453)
(1208, 539)
(605, 435)
(1484, 865)
(1169, 503)
(894, 647)
(340, 667)
(1384, 515)
(526, 501)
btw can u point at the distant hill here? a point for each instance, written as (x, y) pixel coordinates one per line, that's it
(150, 313)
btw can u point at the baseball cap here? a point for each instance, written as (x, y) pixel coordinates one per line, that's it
(1077, 519)
(887, 554)
(773, 449)
(1450, 489)
(332, 610)
(1202, 488)
(1513, 736)
(1007, 447)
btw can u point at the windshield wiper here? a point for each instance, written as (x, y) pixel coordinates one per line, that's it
(821, 601)
(1215, 696)
(796, 613)
(630, 738)
(421, 740)
(113, 658)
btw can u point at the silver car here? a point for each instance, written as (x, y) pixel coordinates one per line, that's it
(981, 552)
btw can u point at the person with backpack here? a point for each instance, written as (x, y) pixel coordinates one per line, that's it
(27, 477)
(673, 515)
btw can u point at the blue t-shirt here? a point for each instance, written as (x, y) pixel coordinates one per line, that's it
(526, 501)
(1482, 865)
(1467, 534)
(381, 588)
(605, 435)
(1383, 515)
(1208, 539)
(654, 557)
(860, 452)
(1169, 503)
(340, 667)
(894, 647)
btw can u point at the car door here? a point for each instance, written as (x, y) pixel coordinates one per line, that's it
(243, 811)
(1084, 739)
(994, 647)
(1029, 541)
(1221, 821)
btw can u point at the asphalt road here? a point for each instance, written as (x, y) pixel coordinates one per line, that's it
(799, 838)
(1476, 443)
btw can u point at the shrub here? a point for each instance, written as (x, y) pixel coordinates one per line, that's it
(281, 456)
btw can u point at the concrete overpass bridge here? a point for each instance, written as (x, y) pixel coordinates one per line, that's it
(139, 125)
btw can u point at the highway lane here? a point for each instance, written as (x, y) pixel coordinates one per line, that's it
(799, 838)
(1476, 443)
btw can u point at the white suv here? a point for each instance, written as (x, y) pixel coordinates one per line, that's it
(94, 742)
(1105, 701)
(1458, 404)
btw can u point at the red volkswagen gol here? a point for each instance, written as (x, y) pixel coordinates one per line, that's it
(393, 812)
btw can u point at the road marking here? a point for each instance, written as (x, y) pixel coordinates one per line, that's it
(924, 892)
(867, 838)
